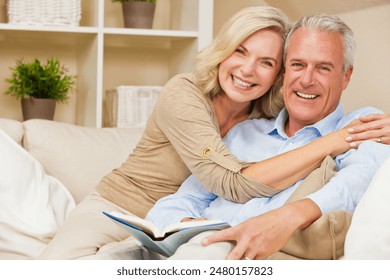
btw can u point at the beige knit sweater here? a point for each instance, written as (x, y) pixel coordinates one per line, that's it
(181, 137)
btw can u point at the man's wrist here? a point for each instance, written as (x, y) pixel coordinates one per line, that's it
(303, 212)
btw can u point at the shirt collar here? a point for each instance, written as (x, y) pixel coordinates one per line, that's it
(324, 126)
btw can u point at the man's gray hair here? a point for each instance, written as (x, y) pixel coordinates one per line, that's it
(327, 23)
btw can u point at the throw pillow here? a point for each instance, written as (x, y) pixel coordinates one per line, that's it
(369, 234)
(323, 239)
(32, 204)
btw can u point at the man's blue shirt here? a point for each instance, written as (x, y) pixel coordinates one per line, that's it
(259, 139)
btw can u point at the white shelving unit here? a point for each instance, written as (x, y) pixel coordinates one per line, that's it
(105, 55)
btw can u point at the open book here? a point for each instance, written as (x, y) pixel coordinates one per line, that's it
(164, 242)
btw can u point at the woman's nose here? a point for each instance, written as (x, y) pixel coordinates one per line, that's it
(248, 67)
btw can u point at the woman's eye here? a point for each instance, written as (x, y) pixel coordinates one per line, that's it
(268, 63)
(241, 51)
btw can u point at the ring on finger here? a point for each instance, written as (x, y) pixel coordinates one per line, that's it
(379, 140)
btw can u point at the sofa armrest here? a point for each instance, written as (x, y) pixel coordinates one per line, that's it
(78, 156)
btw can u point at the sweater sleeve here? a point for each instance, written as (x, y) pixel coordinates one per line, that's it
(186, 117)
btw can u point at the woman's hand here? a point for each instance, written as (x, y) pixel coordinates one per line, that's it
(336, 142)
(375, 127)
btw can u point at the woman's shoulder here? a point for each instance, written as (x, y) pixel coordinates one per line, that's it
(183, 81)
(182, 78)
(183, 87)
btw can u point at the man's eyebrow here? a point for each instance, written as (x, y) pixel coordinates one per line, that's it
(295, 59)
(329, 63)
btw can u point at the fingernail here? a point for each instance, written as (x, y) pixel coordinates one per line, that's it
(353, 144)
(350, 129)
(348, 138)
(204, 241)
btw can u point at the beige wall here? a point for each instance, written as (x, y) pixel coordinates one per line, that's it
(370, 20)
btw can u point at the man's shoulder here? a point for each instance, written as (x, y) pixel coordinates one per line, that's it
(251, 125)
(355, 114)
(249, 129)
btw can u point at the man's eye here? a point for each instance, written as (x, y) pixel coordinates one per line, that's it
(324, 69)
(296, 66)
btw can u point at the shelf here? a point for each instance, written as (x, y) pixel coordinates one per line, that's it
(65, 29)
(144, 38)
(151, 32)
(59, 37)
(76, 36)
(95, 30)
(104, 55)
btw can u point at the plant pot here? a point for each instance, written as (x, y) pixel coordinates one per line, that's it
(38, 108)
(138, 14)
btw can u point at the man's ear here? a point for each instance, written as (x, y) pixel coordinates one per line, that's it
(347, 76)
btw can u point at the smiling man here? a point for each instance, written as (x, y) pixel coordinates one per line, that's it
(319, 54)
(315, 76)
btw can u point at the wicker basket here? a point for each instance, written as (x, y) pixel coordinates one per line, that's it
(44, 12)
(130, 106)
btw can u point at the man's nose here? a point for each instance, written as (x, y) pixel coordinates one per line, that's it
(307, 78)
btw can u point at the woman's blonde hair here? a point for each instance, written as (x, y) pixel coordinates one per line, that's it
(242, 25)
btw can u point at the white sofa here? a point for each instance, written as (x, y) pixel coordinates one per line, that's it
(75, 155)
(75, 158)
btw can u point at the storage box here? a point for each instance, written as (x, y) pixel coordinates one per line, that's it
(130, 106)
(44, 12)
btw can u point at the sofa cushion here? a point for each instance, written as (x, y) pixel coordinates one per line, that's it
(13, 128)
(78, 156)
(32, 204)
(369, 234)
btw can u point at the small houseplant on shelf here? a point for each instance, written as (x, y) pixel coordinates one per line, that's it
(40, 86)
(138, 13)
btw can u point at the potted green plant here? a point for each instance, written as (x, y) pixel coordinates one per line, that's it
(138, 13)
(40, 86)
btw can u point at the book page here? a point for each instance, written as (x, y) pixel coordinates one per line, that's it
(183, 225)
(138, 222)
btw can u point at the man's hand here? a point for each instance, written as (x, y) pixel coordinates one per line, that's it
(193, 219)
(261, 236)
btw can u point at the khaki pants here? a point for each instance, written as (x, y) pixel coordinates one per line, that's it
(85, 231)
(131, 249)
(194, 250)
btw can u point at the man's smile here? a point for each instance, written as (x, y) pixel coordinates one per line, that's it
(306, 95)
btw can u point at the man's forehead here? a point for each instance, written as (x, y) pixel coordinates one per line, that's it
(322, 45)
